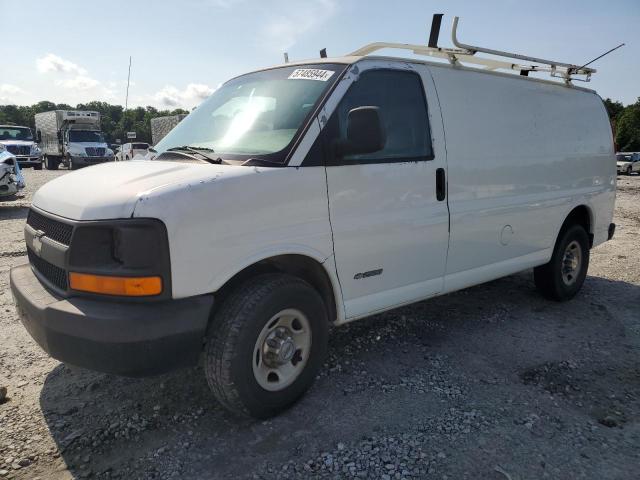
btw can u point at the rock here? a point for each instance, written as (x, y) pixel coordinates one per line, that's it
(609, 421)
(3, 394)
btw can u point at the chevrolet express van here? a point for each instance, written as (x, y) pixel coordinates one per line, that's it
(314, 194)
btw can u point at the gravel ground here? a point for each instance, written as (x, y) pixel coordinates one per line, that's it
(492, 382)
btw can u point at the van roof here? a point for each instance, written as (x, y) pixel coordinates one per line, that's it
(352, 59)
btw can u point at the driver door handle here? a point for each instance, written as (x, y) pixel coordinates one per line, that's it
(441, 185)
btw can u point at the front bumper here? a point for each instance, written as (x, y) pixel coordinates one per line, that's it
(90, 160)
(29, 161)
(131, 339)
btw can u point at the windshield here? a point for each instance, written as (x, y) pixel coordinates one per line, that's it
(257, 115)
(88, 136)
(623, 158)
(15, 133)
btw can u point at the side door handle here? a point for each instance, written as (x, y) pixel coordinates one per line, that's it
(441, 184)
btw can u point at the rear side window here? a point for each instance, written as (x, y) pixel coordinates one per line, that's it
(403, 109)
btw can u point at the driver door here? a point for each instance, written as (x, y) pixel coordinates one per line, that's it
(390, 223)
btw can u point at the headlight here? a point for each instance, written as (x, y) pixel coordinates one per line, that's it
(2, 148)
(77, 153)
(35, 150)
(108, 153)
(125, 258)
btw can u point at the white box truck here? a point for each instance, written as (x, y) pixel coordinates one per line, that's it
(314, 194)
(71, 138)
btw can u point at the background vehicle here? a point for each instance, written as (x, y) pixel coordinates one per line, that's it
(71, 138)
(20, 142)
(628, 162)
(11, 179)
(313, 194)
(161, 126)
(130, 150)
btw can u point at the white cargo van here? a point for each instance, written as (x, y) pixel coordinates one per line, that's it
(309, 195)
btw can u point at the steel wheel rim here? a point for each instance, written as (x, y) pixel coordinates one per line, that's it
(282, 350)
(571, 263)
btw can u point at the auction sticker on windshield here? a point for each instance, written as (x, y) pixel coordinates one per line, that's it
(311, 74)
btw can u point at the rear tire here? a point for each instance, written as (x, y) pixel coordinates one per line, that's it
(266, 345)
(562, 278)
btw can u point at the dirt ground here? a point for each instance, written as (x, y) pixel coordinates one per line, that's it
(493, 382)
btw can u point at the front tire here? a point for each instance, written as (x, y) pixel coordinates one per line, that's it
(562, 278)
(629, 170)
(38, 166)
(266, 345)
(52, 163)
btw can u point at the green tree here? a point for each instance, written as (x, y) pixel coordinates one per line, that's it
(628, 128)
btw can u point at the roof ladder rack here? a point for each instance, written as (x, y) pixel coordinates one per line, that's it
(466, 54)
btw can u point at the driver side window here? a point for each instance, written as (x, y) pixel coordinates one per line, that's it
(400, 97)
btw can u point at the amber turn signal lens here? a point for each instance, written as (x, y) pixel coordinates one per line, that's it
(124, 286)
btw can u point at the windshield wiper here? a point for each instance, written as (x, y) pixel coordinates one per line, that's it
(199, 151)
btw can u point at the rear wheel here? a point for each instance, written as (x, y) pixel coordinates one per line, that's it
(266, 345)
(563, 276)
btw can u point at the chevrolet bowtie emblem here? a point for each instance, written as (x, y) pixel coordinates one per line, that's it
(37, 242)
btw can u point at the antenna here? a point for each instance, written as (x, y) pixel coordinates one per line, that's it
(126, 100)
(598, 58)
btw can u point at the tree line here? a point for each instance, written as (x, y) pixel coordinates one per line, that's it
(626, 124)
(115, 121)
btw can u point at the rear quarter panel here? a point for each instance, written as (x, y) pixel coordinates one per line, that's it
(522, 153)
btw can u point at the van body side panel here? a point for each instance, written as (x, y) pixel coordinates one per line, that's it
(218, 228)
(521, 155)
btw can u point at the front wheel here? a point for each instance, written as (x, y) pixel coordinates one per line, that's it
(38, 166)
(563, 276)
(51, 163)
(266, 345)
(629, 170)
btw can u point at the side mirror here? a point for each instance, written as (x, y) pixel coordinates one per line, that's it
(365, 132)
(38, 136)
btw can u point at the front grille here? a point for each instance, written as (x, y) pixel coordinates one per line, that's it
(95, 151)
(55, 230)
(56, 275)
(19, 149)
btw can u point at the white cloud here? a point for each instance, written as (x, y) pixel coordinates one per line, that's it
(191, 96)
(288, 21)
(8, 89)
(79, 82)
(224, 3)
(54, 63)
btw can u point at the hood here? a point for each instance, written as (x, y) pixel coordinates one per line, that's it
(89, 144)
(27, 143)
(111, 190)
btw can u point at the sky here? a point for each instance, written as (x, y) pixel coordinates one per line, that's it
(71, 51)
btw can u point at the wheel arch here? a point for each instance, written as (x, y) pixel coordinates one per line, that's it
(580, 215)
(298, 265)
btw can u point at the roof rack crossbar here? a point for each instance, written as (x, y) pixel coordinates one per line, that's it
(574, 69)
(466, 54)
